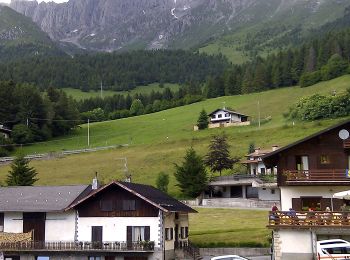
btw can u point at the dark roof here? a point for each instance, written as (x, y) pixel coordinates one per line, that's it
(228, 111)
(305, 139)
(38, 198)
(148, 193)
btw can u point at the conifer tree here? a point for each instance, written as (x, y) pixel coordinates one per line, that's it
(202, 121)
(21, 174)
(218, 157)
(191, 175)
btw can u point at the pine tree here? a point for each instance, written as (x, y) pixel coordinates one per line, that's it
(21, 174)
(162, 181)
(191, 175)
(218, 157)
(202, 121)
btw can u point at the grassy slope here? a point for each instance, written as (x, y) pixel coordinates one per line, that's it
(160, 139)
(233, 227)
(79, 95)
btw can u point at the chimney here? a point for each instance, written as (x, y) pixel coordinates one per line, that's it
(95, 185)
(257, 150)
(274, 147)
(128, 178)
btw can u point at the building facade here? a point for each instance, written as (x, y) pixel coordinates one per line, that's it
(310, 171)
(119, 221)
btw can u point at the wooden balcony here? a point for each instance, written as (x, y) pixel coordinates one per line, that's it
(115, 246)
(320, 176)
(346, 144)
(302, 219)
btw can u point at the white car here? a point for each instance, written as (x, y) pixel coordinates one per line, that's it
(228, 257)
(333, 249)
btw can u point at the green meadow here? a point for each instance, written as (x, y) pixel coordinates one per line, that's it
(77, 94)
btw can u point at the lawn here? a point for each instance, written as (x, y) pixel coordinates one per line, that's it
(157, 141)
(232, 228)
(77, 94)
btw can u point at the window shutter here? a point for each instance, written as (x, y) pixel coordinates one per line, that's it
(171, 233)
(186, 232)
(147, 233)
(296, 204)
(129, 236)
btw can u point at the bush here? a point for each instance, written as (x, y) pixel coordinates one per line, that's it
(310, 78)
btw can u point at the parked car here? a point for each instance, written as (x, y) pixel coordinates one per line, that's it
(228, 257)
(333, 249)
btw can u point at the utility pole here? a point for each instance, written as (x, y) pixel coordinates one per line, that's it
(88, 134)
(259, 113)
(27, 122)
(101, 90)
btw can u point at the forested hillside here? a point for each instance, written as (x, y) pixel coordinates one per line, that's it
(116, 71)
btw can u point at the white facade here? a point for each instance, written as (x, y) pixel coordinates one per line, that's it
(13, 222)
(270, 193)
(60, 226)
(289, 192)
(114, 228)
(224, 115)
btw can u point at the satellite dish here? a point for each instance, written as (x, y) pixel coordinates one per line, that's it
(343, 134)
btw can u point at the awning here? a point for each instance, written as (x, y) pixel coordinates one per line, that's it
(342, 195)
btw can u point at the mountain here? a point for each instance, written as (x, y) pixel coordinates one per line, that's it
(109, 25)
(21, 37)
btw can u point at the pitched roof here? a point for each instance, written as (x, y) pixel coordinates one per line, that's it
(148, 193)
(228, 111)
(38, 198)
(306, 139)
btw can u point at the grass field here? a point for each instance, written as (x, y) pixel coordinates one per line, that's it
(157, 141)
(233, 228)
(77, 94)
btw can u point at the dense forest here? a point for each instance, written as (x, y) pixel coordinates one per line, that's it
(117, 71)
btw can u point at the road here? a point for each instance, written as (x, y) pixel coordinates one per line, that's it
(250, 258)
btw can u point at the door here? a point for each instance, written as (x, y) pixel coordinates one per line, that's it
(96, 236)
(236, 192)
(302, 163)
(35, 221)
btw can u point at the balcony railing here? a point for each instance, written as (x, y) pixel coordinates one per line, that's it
(302, 219)
(320, 175)
(346, 144)
(115, 246)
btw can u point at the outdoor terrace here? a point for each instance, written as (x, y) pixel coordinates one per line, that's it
(322, 176)
(303, 219)
(115, 246)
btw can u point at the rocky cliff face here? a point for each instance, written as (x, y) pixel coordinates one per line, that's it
(113, 24)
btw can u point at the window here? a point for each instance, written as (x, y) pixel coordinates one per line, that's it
(94, 258)
(273, 191)
(262, 170)
(227, 115)
(311, 203)
(169, 234)
(1, 222)
(138, 233)
(219, 115)
(42, 258)
(302, 163)
(106, 205)
(213, 116)
(184, 232)
(129, 205)
(324, 159)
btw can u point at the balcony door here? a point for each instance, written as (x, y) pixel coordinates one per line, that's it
(302, 163)
(35, 221)
(96, 236)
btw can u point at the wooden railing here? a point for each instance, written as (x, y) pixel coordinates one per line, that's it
(304, 219)
(326, 175)
(77, 246)
(346, 144)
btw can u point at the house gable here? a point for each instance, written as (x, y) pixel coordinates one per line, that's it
(114, 201)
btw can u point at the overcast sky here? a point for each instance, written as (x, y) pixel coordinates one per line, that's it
(57, 1)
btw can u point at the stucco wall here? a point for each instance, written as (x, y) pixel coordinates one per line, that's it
(267, 195)
(169, 222)
(13, 222)
(287, 193)
(114, 229)
(60, 226)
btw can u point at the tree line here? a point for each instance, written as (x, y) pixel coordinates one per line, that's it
(116, 71)
(34, 116)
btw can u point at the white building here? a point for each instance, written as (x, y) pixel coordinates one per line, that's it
(119, 221)
(224, 118)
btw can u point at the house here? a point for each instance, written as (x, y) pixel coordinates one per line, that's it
(5, 131)
(225, 118)
(309, 172)
(258, 188)
(119, 221)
